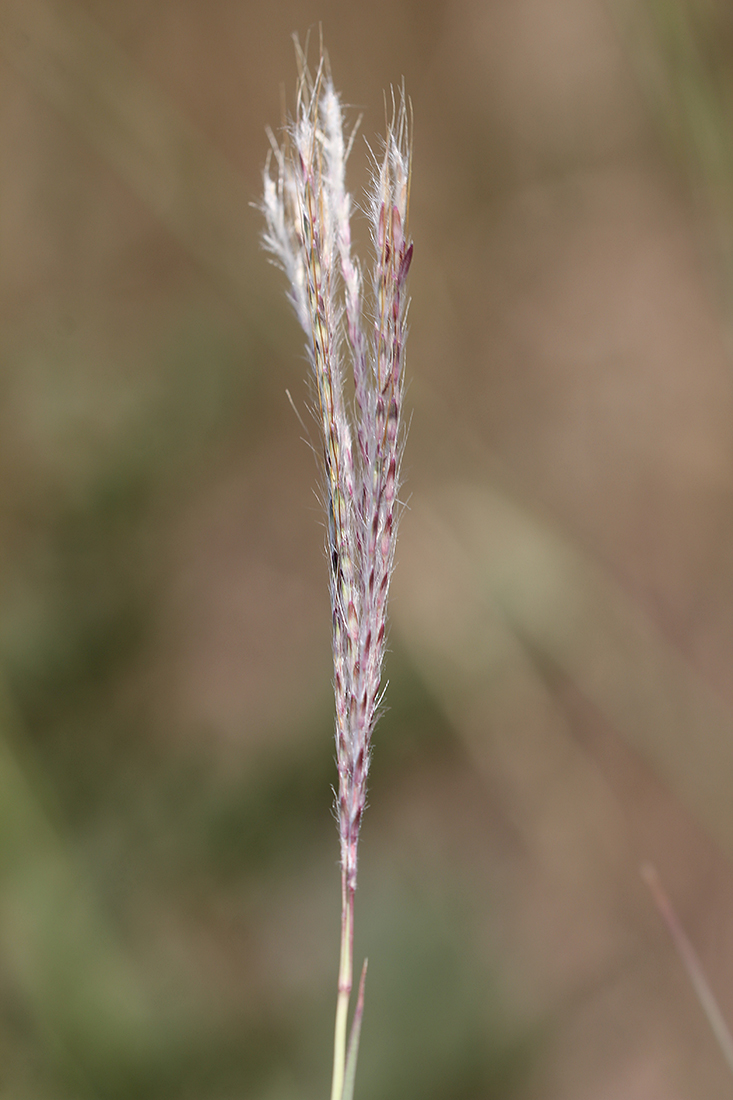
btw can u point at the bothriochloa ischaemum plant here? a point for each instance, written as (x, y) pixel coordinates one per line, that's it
(355, 335)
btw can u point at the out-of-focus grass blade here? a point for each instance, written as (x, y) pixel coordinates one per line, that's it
(478, 559)
(691, 963)
(172, 168)
(686, 78)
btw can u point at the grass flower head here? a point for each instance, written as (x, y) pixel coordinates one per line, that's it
(307, 210)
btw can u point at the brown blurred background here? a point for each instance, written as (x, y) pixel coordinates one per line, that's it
(560, 697)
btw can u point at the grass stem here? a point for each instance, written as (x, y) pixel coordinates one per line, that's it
(345, 981)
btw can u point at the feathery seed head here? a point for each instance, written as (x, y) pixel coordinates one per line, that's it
(307, 212)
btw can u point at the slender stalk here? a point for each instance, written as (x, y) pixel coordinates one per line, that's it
(345, 981)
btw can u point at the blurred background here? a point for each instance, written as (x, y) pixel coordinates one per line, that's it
(560, 704)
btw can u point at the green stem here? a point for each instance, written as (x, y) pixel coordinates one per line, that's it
(353, 1051)
(344, 988)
